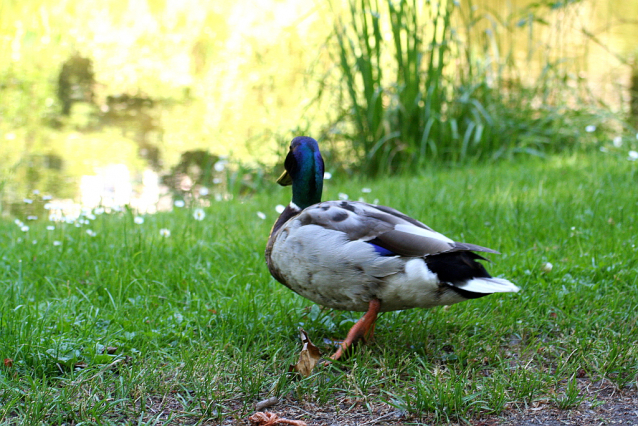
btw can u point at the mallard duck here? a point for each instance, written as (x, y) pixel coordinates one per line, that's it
(356, 256)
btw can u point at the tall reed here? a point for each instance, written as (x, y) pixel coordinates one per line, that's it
(419, 82)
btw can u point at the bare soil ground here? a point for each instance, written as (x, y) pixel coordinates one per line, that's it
(602, 404)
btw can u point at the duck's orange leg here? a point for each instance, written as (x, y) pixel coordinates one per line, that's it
(363, 329)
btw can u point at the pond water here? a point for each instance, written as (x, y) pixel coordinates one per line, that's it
(151, 102)
(599, 37)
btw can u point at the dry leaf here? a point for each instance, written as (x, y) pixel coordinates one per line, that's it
(8, 362)
(308, 357)
(271, 419)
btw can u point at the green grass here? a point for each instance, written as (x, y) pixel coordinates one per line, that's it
(202, 331)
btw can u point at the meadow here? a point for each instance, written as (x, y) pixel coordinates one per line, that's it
(173, 318)
(480, 122)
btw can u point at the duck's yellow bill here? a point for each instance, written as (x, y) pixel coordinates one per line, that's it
(284, 179)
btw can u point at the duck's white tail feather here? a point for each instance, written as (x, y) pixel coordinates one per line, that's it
(488, 285)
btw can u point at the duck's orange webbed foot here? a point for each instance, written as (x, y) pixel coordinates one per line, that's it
(362, 330)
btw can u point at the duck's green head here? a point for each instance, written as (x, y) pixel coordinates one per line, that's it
(304, 171)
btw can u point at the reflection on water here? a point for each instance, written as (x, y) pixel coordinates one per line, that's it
(110, 189)
(112, 186)
(595, 41)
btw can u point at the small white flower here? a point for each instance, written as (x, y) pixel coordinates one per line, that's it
(199, 214)
(138, 220)
(28, 201)
(18, 222)
(98, 210)
(361, 200)
(50, 228)
(547, 267)
(165, 232)
(591, 128)
(573, 228)
(327, 175)
(32, 217)
(218, 197)
(220, 165)
(90, 216)
(603, 149)
(633, 156)
(217, 181)
(366, 190)
(36, 192)
(179, 203)
(279, 208)
(48, 206)
(91, 233)
(376, 201)
(19, 240)
(57, 243)
(261, 215)
(203, 191)
(617, 141)
(47, 197)
(10, 136)
(24, 228)
(56, 217)
(34, 242)
(343, 196)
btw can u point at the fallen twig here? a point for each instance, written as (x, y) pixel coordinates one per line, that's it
(266, 403)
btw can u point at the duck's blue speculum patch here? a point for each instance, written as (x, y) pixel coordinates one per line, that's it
(381, 251)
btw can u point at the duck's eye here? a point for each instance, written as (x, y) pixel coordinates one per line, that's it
(289, 164)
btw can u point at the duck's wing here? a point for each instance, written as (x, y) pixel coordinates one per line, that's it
(384, 227)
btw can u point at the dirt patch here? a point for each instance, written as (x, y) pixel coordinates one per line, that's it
(602, 404)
